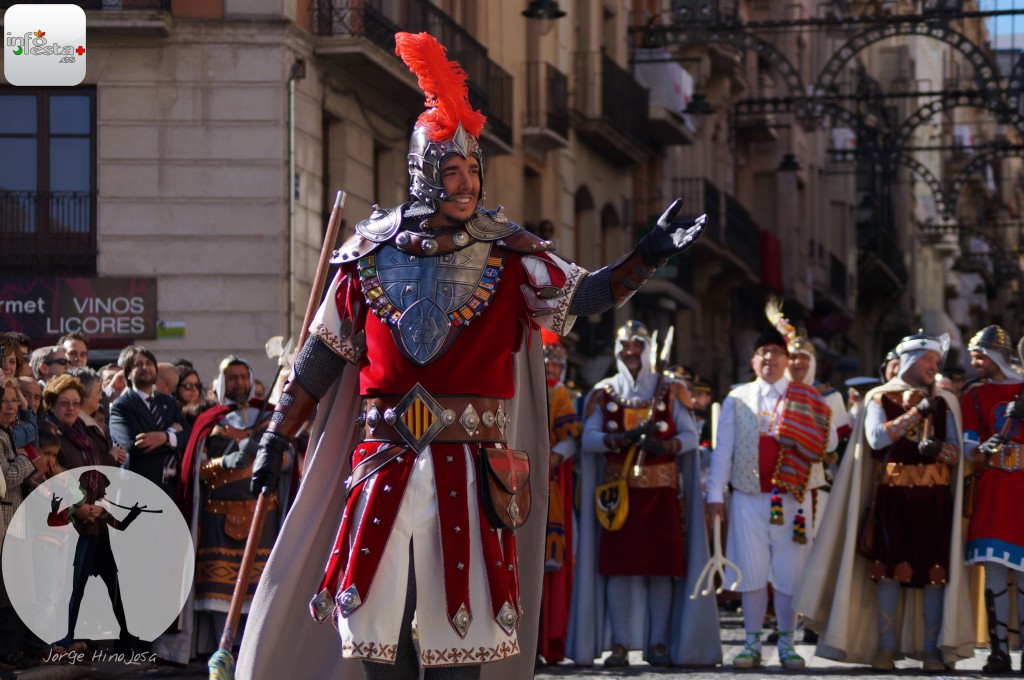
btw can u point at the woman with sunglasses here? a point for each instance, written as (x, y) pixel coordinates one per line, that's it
(63, 397)
(189, 390)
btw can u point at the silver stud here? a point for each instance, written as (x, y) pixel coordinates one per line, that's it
(507, 618)
(457, 528)
(365, 551)
(429, 246)
(403, 239)
(661, 405)
(662, 426)
(389, 416)
(453, 493)
(500, 419)
(376, 521)
(612, 407)
(533, 246)
(349, 599)
(387, 489)
(469, 420)
(460, 566)
(497, 563)
(373, 418)
(448, 417)
(462, 619)
(487, 418)
(500, 242)
(409, 289)
(611, 426)
(449, 459)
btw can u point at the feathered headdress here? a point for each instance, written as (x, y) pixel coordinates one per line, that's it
(773, 310)
(443, 82)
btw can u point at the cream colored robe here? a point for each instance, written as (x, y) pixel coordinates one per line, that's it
(837, 598)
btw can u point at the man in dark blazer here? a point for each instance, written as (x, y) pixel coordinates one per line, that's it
(147, 424)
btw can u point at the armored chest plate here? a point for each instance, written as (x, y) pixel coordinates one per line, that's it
(427, 300)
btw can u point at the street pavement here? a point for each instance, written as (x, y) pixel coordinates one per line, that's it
(732, 641)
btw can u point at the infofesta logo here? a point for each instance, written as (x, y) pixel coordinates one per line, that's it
(44, 45)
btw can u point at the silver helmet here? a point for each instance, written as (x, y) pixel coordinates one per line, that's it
(426, 157)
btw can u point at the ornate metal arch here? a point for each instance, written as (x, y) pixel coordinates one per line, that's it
(985, 71)
(1016, 85)
(925, 175)
(984, 157)
(954, 100)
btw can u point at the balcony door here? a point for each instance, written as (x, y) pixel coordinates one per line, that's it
(48, 181)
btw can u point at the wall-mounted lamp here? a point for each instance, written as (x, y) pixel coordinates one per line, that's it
(789, 163)
(698, 110)
(546, 12)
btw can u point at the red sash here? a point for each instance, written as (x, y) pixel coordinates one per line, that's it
(767, 456)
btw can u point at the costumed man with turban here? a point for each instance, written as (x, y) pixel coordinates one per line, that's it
(215, 499)
(564, 426)
(803, 368)
(893, 525)
(993, 438)
(631, 582)
(427, 447)
(770, 433)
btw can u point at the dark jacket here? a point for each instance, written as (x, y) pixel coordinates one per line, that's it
(129, 417)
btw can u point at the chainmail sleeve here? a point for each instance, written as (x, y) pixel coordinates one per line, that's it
(317, 367)
(594, 294)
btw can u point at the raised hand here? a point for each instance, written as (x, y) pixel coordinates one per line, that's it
(670, 236)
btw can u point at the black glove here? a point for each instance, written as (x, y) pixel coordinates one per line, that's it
(991, 446)
(925, 407)
(236, 460)
(670, 236)
(55, 503)
(655, 447)
(641, 430)
(614, 441)
(1015, 409)
(929, 448)
(267, 468)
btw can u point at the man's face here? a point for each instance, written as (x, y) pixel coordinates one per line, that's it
(33, 394)
(986, 368)
(142, 371)
(769, 363)
(77, 352)
(553, 371)
(166, 378)
(631, 355)
(55, 365)
(701, 400)
(236, 383)
(922, 372)
(461, 177)
(799, 364)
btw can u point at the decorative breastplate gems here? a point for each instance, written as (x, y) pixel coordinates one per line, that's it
(427, 300)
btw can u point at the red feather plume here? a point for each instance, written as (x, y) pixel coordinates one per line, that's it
(443, 82)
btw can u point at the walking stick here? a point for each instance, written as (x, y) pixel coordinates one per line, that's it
(222, 663)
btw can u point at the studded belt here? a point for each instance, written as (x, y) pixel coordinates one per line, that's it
(1008, 458)
(419, 418)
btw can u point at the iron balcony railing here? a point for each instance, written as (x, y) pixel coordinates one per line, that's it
(547, 98)
(48, 232)
(742, 233)
(880, 241)
(490, 87)
(606, 90)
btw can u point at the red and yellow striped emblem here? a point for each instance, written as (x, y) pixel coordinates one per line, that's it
(418, 418)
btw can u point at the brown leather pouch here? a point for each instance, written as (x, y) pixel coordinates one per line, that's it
(866, 533)
(504, 482)
(970, 486)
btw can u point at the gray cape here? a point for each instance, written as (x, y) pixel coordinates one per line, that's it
(281, 638)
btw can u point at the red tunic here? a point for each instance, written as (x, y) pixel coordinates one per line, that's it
(995, 533)
(650, 542)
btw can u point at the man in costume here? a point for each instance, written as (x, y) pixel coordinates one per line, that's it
(218, 503)
(893, 525)
(433, 306)
(993, 438)
(770, 433)
(564, 426)
(639, 564)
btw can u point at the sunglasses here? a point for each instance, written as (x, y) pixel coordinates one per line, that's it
(62, 362)
(190, 386)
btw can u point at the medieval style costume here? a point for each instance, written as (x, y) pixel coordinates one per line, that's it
(993, 438)
(631, 589)
(437, 424)
(770, 433)
(892, 522)
(564, 427)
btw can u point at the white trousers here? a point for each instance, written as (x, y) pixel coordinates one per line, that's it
(766, 552)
